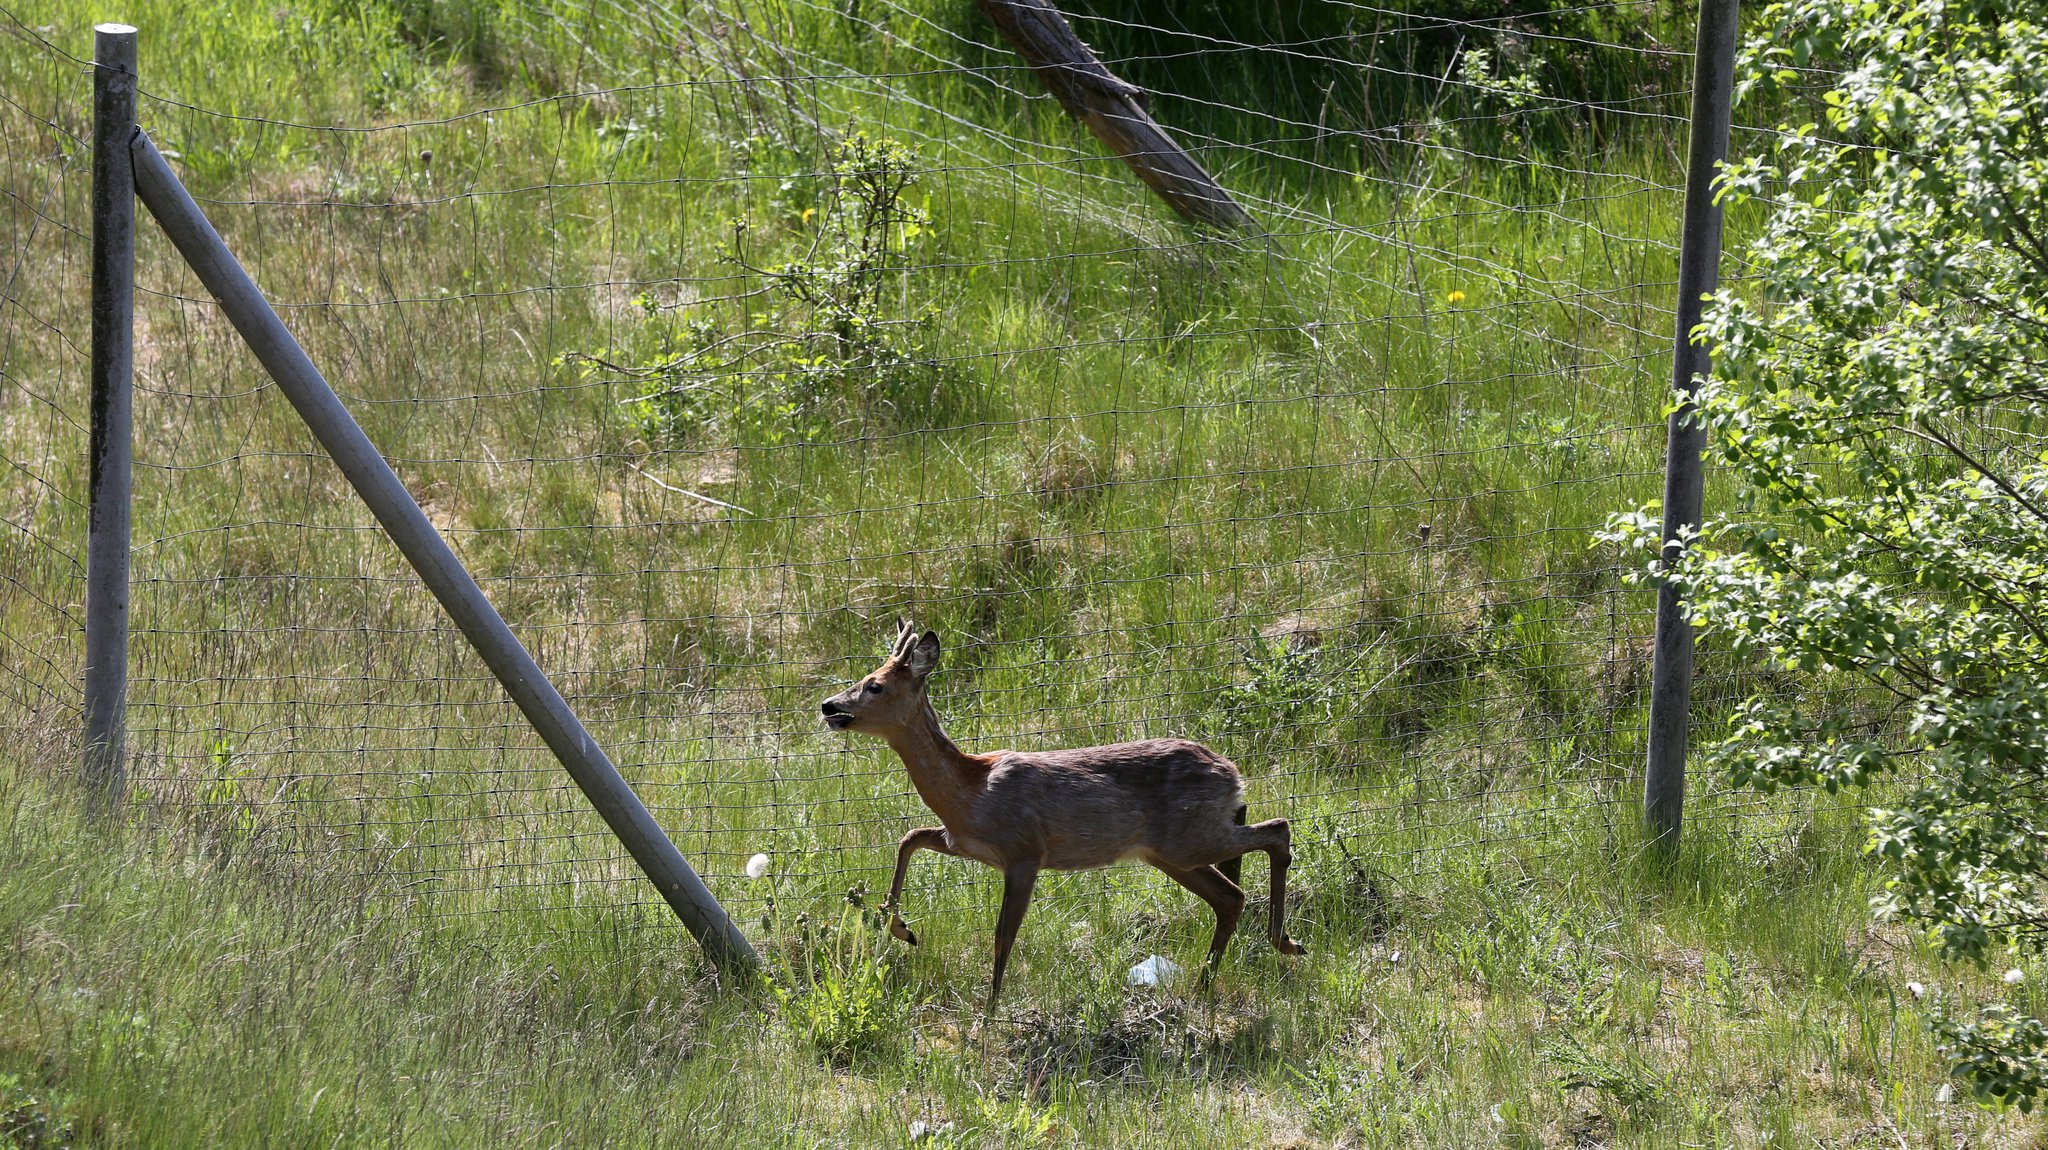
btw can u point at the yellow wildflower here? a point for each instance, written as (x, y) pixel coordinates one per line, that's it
(1455, 297)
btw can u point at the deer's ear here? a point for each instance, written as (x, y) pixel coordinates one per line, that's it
(924, 656)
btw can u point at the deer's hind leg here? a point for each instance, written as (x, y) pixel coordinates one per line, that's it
(1233, 867)
(1273, 837)
(1222, 895)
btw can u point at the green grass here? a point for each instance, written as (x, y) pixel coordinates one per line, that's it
(1145, 483)
(158, 995)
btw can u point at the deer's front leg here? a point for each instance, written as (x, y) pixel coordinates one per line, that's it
(924, 838)
(1018, 881)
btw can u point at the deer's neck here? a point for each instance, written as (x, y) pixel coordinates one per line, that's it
(947, 778)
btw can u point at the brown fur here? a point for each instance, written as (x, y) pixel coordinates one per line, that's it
(1174, 804)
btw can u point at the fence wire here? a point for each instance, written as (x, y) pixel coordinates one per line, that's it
(716, 338)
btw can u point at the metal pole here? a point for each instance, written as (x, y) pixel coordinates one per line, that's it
(430, 555)
(1699, 270)
(113, 359)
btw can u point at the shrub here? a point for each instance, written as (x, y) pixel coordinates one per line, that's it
(839, 340)
(1880, 399)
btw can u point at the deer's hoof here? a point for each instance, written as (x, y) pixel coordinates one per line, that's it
(900, 929)
(1289, 946)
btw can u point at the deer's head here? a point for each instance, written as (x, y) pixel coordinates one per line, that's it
(892, 697)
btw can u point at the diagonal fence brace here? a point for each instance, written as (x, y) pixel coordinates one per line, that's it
(401, 517)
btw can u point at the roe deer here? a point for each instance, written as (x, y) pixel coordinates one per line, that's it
(1169, 802)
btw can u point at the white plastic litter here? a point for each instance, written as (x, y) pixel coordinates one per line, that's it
(1157, 970)
(757, 866)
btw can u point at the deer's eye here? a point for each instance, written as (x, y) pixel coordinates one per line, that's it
(873, 688)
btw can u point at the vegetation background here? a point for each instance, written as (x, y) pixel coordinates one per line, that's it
(715, 338)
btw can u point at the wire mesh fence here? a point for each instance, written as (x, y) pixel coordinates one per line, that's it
(717, 338)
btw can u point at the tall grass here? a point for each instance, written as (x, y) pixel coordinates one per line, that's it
(159, 993)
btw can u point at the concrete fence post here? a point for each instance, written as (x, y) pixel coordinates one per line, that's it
(109, 486)
(1699, 268)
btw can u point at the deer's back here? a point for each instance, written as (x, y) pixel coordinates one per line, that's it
(1091, 806)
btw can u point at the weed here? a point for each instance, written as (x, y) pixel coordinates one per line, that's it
(1332, 1090)
(231, 819)
(1002, 1122)
(837, 992)
(1624, 1080)
(843, 340)
(1284, 686)
(32, 1119)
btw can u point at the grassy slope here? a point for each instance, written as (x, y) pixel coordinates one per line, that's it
(1153, 455)
(1147, 455)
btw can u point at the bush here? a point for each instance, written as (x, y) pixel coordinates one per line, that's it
(839, 341)
(1880, 400)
